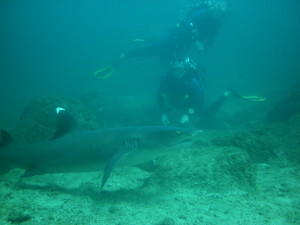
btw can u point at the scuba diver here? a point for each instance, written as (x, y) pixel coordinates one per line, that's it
(198, 28)
(180, 94)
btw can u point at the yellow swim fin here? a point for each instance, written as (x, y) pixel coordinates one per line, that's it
(254, 98)
(139, 40)
(105, 72)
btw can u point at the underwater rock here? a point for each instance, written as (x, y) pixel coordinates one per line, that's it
(121, 111)
(260, 145)
(235, 166)
(38, 120)
(167, 221)
(287, 107)
(290, 140)
(208, 168)
(18, 217)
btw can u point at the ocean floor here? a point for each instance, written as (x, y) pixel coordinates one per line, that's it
(207, 184)
(247, 175)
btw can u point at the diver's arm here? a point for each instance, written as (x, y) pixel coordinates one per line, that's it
(138, 52)
(161, 100)
(165, 119)
(162, 104)
(195, 105)
(116, 62)
(199, 46)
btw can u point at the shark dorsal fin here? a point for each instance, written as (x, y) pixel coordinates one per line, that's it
(6, 138)
(65, 123)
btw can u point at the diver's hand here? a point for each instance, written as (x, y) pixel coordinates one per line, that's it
(200, 46)
(185, 119)
(226, 93)
(165, 119)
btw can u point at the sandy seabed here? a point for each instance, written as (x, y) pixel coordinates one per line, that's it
(206, 184)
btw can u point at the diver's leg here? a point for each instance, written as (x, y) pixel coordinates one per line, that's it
(216, 105)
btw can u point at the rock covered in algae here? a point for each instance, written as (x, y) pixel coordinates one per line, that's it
(209, 168)
(120, 111)
(260, 145)
(289, 136)
(288, 106)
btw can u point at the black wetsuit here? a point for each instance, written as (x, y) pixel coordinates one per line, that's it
(181, 94)
(185, 95)
(199, 25)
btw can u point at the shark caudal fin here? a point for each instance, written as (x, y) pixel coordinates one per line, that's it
(6, 139)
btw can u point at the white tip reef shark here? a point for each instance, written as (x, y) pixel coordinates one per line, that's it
(92, 150)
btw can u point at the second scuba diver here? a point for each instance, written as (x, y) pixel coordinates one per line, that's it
(198, 28)
(181, 94)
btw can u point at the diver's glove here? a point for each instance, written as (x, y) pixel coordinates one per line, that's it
(227, 93)
(199, 46)
(185, 119)
(165, 119)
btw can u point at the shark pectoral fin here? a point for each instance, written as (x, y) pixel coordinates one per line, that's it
(110, 165)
